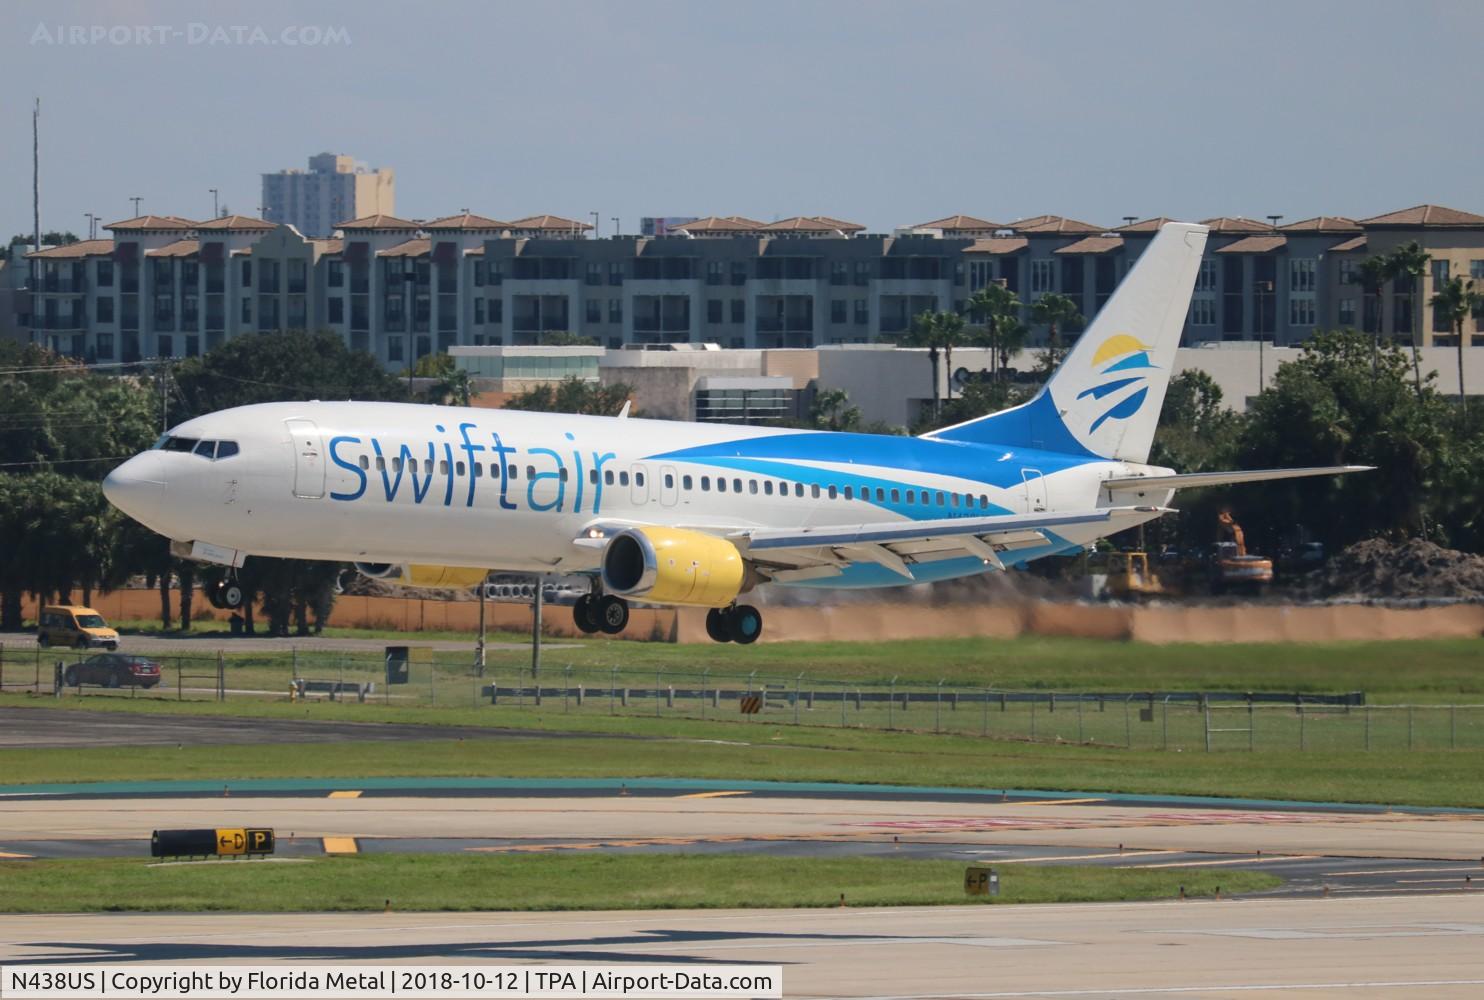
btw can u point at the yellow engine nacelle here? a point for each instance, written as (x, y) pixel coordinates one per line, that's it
(420, 575)
(674, 566)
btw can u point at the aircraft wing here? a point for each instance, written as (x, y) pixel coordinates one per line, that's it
(1191, 480)
(816, 553)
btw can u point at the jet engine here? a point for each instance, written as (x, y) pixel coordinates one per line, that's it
(674, 566)
(418, 575)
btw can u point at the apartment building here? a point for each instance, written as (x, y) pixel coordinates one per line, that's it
(335, 187)
(164, 286)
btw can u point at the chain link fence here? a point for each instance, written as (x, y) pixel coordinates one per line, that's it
(1202, 721)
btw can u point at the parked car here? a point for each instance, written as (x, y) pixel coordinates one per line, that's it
(73, 625)
(113, 670)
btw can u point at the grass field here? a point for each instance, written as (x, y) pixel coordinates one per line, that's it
(568, 882)
(791, 754)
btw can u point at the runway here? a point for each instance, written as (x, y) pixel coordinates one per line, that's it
(1403, 946)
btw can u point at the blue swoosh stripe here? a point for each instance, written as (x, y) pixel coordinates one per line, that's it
(1140, 360)
(1122, 410)
(1099, 391)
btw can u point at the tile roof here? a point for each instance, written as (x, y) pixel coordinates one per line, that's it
(1255, 244)
(1057, 224)
(330, 246)
(1236, 224)
(960, 223)
(82, 248)
(1092, 244)
(1354, 243)
(1322, 224)
(1426, 215)
(467, 221)
(720, 224)
(998, 245)
(153, 222)
(236, 223)
(1144, 226)
(840, 224)
(810, 224)
(412, 248)
(549, 222)
(377, 222)
(180, 248)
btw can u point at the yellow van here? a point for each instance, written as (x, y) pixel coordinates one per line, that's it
(73, 625)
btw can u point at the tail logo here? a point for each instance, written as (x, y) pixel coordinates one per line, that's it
(1123, 358)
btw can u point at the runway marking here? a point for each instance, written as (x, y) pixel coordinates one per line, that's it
(345, 795)
(1055, 802)
(341, 845)
(1410, 871)
(1208, 989)
(8, 854)
(1431, 881)
(711, 795)
(1232, 861)
(1135, 855)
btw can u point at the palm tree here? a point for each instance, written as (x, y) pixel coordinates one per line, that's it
(1054, 311)
(1410, 259)
(937, 331)
(997, 309)
(1457, 300)
(1373, 273)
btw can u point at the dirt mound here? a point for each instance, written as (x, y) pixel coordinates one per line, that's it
(1413, 569)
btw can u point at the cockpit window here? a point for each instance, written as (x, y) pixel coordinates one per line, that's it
(206, 449)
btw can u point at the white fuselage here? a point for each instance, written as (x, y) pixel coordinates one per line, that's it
(510, 490)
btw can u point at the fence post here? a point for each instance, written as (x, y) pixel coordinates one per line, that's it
(613, 691)
(842, 706)
(1302, 717)
(1033, 717)
(1206, 706)
(1452, 727)
(1164, 726)
(891, 702)
(1128, 729)
(657, 694)
(179, 681)
(1409, 727)
(797, 682)
(294, 654)
(1079, 719)
(1368, 727)
(704, 675)
(984, 713)
(1251, 726)
(221, 676)
(938, 708)
(566, 685)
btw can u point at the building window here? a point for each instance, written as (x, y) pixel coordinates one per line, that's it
(1439, 273)
(1346, 313)
(739, 311)
(615, 310)
(105, 309)
(336, 309)
(862, 275)
(739, 272)
(335, 274)
(594, 275)
(615, 272)
(105, 345)
(394, 348)
(715, 272)
(1347, 270)
(481, 272)
(1205, 278)
(1301, 275)
(713, 310)
(1476, 269)
(1301, 311)
(245, 316)
(862, 312)
(479, 312)
(105, 272)
(837, 311)
(594, 310)
(1041, 276)
(1203, 311)
(497, 311)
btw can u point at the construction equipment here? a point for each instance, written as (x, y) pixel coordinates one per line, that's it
(1233, 568)
(1131, 579)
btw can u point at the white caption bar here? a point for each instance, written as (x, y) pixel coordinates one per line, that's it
(379, 982)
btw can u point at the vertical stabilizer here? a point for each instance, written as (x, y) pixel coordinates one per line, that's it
(1105, 398)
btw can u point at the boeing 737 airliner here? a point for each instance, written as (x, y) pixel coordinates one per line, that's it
(672, 513)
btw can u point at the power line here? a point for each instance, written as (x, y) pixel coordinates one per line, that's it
(65, 461)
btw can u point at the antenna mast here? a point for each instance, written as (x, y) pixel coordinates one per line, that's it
(36, 171)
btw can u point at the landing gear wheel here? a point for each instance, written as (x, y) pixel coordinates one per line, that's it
(214, 594)
(232, 596)
(613, 614)
(745, 623)
(584, 614)
(716, 625)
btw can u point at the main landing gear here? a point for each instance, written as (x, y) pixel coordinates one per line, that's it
(600, 613)
(226, 593)
(740, 623)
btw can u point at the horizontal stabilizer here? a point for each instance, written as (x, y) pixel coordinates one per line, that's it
(1194, 479)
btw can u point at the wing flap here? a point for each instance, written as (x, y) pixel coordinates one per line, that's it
(1191, 480)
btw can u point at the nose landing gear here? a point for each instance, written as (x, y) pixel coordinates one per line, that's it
(740, 623)
(600, 613)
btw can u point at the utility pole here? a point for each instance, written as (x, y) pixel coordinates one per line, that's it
(92, 225)
(36, 171)
(136, 200)
(216, 212)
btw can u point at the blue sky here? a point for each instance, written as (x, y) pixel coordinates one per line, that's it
(882, 113)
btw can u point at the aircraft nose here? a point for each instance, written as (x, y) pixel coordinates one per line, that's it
(138, 486)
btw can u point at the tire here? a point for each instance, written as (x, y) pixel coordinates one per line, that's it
(232, 596)
(584, 615)
(111, 646)
(113, 680)
(213, 595)
(149, 684)
(745, 623)
(717, 625)
(613, 614)
(69, 676)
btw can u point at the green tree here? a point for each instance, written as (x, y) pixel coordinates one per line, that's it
(1456, 301)
(939, 332)
(573, 395)
(1056, 312)
(451, 387)
(1410, 260)
(997, 310)
(831, 411)
(977, 399)
(1372, 274)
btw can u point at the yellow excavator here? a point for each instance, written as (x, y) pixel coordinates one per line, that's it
(1234, 568)
(1131, 579)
